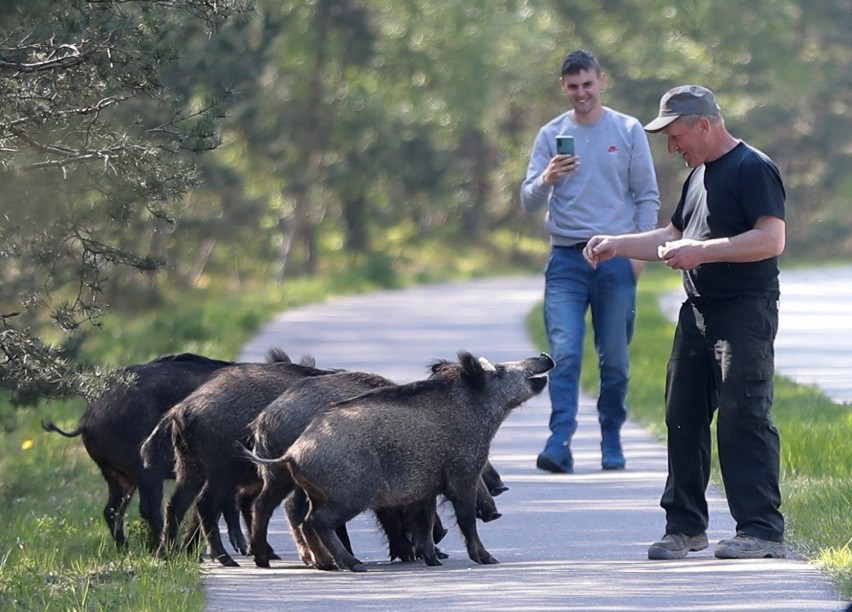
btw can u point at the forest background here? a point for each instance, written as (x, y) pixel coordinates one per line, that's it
(174, 172)
(242, 142)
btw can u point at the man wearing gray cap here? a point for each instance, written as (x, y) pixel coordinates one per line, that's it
(725, 237)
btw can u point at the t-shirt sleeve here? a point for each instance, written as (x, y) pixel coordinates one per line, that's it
(763, 189)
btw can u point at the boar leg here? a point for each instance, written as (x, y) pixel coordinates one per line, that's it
(270, 497)
(486, 509)
(324, 519)
(119, 495)
(438, 533)
(150, 504)
(422, 524)
(192, 535)
(463, 499)
(186, 489)
(231, 514)
(492, 480)
(246, 503)
(311, 550)
(296, 509)
(209, 504)
(393, 522)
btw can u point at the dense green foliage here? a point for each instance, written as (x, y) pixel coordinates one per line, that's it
(336, 131)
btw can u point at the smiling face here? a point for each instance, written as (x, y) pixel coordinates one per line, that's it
(687, 137)
(583, 90)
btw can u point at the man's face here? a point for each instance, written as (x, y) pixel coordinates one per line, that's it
(688, 140)
(584, 90)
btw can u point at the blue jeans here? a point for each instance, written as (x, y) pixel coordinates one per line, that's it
(571, 288)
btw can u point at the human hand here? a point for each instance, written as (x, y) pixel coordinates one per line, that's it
(598, 249)
(683, 254)
(559, 167)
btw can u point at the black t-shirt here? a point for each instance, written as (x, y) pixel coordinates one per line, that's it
(724, 198)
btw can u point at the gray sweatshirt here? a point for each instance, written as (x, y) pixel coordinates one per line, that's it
(614, 191)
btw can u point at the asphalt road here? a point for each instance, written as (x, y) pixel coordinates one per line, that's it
(814, 343)
(565, 542)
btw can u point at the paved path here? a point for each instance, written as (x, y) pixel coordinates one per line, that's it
(814, 343)
(575, 542)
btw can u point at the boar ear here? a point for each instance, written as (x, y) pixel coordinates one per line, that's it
(277, 355)
(472, 371)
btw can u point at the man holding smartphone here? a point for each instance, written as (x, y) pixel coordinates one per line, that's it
(608, 186)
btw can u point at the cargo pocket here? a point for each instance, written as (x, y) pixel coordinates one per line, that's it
(758, 391)
(758, 381)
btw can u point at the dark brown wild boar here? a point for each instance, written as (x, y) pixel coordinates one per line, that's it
(405, 445)
(204, 428)
(280, 424)
(114, 426)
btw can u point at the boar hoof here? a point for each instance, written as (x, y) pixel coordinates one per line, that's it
(358, 567)
(487, 559)
(275, 556)
(496, 490)
(441, 554)
(226, 560)
(491, 516)
(261, 562)
(326, 567)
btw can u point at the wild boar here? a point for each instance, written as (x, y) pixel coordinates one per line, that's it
(280, 424)
(275, 428)
(203, 428)
(114, 425)
(405, 445)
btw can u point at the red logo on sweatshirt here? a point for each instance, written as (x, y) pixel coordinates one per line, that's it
(612, 148)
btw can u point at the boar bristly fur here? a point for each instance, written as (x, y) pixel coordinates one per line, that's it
(114, 426)
(402, 446)
(204, 428)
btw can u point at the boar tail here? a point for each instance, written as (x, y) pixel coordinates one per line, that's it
(51, 426)
(158, 444)
(252, 456)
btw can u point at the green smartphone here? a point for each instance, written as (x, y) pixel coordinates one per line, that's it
(565, 144)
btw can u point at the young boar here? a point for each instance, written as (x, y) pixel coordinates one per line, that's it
(275, 429)
(114, 425)
(407, 444)
(203, 429)
(280, 424)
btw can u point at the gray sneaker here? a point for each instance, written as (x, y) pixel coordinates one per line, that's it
(744, 546)
(677, 546)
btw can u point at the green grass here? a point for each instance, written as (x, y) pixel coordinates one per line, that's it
(55, 553)
(816, 480)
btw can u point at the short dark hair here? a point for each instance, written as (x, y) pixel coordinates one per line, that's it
(577, 61)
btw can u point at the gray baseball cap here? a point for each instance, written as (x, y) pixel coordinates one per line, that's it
(683, 100)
